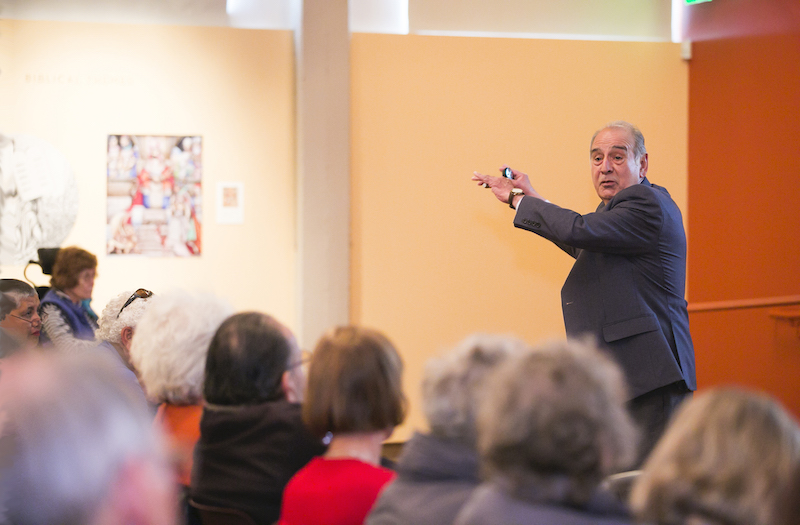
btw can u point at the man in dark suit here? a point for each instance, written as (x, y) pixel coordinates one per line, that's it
(627, 285)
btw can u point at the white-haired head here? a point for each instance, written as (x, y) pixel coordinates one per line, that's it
(453, 384)
(112, 320)
(73, 440)
(171, 343)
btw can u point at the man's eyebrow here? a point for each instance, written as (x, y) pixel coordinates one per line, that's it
(623, 148)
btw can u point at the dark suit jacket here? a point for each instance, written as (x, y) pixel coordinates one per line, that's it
(627, 285)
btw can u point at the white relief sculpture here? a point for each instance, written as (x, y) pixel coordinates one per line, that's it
(38, 198)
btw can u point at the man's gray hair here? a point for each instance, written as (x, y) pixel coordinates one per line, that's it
(453, 384)
(171, 342)
(12, 291)
(67, 426)
(110, 326)
(638, 139)
(554, 422)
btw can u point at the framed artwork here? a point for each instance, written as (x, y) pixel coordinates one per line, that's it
(230, 202)
(154, 195)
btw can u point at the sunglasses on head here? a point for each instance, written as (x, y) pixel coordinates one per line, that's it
(141, 293)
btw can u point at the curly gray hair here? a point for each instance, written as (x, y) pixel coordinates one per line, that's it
(171, 343)
(453, 383)
(554, 422)
(110, 326)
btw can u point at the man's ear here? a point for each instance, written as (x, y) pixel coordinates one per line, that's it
(643, 167)
(290, 387)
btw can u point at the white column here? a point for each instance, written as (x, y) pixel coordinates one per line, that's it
(323, 163)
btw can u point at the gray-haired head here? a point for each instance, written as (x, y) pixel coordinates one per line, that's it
(554, 422)
(11, 292)
(112, 320)
(69, 433)
(638, 139)
(171, 343)
(454, 382)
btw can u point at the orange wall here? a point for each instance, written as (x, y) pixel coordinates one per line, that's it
(434, 257)
(744, 198)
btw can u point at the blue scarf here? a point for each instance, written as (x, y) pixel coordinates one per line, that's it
(74, 314)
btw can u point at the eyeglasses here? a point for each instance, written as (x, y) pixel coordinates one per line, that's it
(305, 358)
(141, 293)
(29, 321)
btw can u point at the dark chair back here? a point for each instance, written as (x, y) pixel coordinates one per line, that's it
(211, 515)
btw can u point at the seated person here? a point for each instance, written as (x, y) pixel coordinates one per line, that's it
(438, 471)
(76, 448)
(68, 321)
(788, 512)
(551, 427)
(726, 459)
(354, 392)
(116, 327)
(19, 318)
(169, 352)
(252, 436)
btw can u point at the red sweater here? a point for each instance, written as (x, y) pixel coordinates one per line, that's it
(332, 492)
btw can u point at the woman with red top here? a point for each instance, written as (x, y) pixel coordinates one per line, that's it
(354, 394)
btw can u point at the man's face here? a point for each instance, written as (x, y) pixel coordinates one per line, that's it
(614, 164)
(23, 323)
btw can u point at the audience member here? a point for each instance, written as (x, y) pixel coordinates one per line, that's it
(354, 392)
(68, 321)
(19, 318)
(789, 504)
(724, 460)
(115, 333)
(252, 437)
(437, 472)
(76, 448)
(553, 424)
(169, 351)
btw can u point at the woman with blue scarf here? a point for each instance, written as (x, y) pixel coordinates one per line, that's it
(68, 321)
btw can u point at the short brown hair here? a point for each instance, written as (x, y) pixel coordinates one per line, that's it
(69, 263)
(354, 383)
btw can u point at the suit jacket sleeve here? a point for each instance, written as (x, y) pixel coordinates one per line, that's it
(629, 225)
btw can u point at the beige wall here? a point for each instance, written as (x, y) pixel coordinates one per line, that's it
(616, 19)
(234, 87)
(434, 256)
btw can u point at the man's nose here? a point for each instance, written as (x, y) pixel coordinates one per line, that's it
(36, 320)
(606, 165)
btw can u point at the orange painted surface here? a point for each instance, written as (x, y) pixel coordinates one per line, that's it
(744, 207)
(748, 348)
